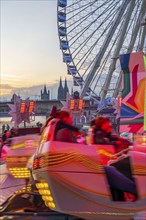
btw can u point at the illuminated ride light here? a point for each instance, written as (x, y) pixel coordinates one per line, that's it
(72, 104)
(44, 190)
(20, 172)
(31, 106)
(80, 104)
(22, 107)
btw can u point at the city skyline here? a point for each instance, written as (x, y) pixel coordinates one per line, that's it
(30, 53)
(36, 92)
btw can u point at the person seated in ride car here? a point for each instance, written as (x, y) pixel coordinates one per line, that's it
(65, 131)
(6, 138)
(102, 134)
(119, 173)
(52, 115)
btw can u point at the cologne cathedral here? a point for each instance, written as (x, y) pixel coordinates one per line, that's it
(62, 91)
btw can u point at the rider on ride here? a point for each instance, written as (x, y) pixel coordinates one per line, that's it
(64, 129)
(102, 134)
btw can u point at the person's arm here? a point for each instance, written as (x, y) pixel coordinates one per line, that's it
(68, 126)
(121, 144)
(65, 135)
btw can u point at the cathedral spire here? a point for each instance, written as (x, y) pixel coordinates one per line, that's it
(45, 95)
(60, 91)
(45, 89)
(66, 90)
(60, 85)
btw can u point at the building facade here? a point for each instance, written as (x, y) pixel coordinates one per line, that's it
(44, 105)
(62, 90)
(45, 95)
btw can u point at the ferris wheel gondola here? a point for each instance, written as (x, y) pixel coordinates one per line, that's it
(92, 35)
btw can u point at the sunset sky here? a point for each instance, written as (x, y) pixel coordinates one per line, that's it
(30, 53)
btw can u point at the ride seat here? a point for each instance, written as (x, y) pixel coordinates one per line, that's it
(63, 132)
(119, 184)
(122, 164)
(105, 152)
(138, 166)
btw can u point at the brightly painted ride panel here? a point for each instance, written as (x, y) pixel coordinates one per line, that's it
(71, 179)
(20, 151)
(133, 67)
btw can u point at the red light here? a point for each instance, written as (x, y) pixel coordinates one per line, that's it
(31, 106)
(72, 104)
(22, 107)
(80, 104)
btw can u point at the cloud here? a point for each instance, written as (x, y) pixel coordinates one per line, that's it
(33, 92)
(6, 86)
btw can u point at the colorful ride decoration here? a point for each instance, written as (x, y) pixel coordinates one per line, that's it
(72, 178)
(78, 171)
(75, 105)
(133, 92)
(140, 143)
(20, 153)
(21, 111)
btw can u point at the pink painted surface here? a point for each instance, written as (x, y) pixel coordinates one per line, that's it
(134, 100)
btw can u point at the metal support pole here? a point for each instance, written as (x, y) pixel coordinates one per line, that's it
(132, 42)
(117, 50)
(137, 26)
(143, 37)
(103, 48)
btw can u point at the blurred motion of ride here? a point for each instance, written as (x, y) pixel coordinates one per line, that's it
(72, 178)
(140, 139)
(20, 151)
(140, 143)
(24, 205)
(24, 201)
(16, 160)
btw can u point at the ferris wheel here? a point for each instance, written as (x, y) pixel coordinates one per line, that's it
(92, 35)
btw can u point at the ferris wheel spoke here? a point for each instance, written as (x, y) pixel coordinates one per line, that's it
(103, 48)
(100, 70)
(78, 11)
(143, 37)
(82, 31)
(117, 49)
(87, 15)
(92, 34)
(129, 49)
(137, 27)
(76, 6)
(86, 55)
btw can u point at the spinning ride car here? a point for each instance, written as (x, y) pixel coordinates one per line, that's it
(72, 179)
(20, 151)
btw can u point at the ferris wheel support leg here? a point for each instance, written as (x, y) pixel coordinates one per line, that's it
(103, 48)
(117, 50)
(140, 48)
(143, 36)
(137, 26)
(117, 90)
(132, 42)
